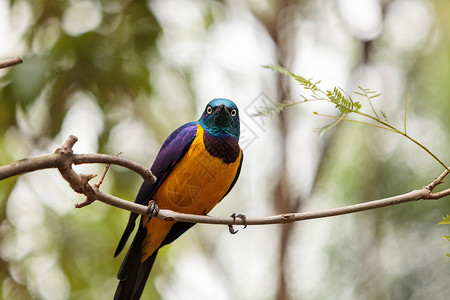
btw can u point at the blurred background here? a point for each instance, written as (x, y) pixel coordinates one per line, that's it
(121, 75)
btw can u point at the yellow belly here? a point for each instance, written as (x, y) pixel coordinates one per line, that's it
(195, 185)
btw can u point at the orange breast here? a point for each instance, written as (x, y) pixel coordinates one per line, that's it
(195, 185)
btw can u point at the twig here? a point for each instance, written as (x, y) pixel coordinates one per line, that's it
(102, 177)
(437, 180)
(8, 62)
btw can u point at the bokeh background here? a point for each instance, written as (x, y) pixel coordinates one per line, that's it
(121, 75)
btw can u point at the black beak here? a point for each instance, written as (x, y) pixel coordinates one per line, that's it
(222, 115)
(222, 108)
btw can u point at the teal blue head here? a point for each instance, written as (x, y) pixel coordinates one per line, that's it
(221, 117)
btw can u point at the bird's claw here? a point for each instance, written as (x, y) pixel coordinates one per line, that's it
(152, 210)
(234, 216)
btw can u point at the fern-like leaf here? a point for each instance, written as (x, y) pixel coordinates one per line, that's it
(307, 83)
(344, 103)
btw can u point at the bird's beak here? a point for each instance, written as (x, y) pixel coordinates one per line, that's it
(222, 115)
(222, 109)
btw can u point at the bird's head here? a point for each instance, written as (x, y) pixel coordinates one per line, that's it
(221, 117)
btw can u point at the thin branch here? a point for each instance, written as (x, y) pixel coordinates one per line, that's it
(438, 180)
(63, 158)
(387, 127)
(169, 215)
(439, 195)
(64, 153)
(366, 94)
(8, 62)
(79, 159)
(354, 121)
(102, 177)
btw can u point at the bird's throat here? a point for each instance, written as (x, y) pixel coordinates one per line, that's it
(225, 147)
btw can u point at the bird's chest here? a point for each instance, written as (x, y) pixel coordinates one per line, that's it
(198, 181)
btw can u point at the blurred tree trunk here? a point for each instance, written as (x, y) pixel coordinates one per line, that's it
(368, 252)
(284, 199)
(281, 27)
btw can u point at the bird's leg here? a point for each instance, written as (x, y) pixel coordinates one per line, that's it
(152, 210)
(234, 216)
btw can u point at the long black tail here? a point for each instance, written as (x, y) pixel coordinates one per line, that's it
(132, 273)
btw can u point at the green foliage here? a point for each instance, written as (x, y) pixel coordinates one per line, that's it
(112, 65)
(110, 62)
(345, 105)
(446, 221)
(343, 102)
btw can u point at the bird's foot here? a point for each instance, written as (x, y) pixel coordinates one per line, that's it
(234, 216)
(152, 210)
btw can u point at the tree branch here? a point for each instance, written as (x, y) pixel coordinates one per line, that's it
(169, 215)
(8, 62)
(63, 159)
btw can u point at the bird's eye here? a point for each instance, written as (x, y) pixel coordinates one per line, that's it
(233, 112)
(209, 110)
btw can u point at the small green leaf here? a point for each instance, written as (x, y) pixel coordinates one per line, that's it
(445, 220)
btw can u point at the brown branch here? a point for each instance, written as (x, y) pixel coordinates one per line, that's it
(169, 215)
(8, 62)
(63, 158)
(437, 180)
(102, 177)
(64, 155)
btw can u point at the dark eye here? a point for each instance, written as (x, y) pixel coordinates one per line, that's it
(233, 112)
(209, 110)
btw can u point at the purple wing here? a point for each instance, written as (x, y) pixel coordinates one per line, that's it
(173, 149)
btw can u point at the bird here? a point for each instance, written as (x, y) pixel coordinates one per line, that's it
(196, 167)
